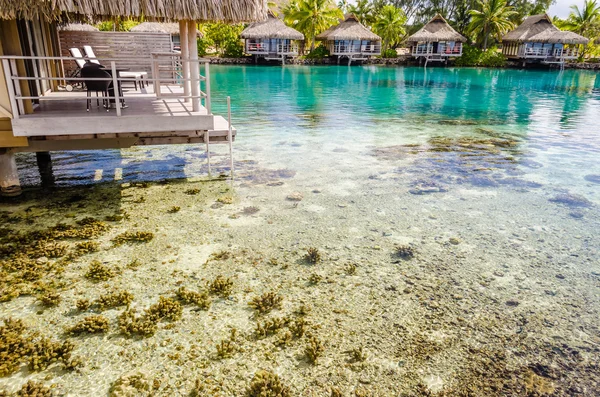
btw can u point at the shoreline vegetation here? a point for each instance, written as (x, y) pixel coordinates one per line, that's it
(402, 60)
(483, 23)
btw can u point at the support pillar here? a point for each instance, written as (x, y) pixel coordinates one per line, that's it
(44, 163)
(9, 175)
(185, 56)
(194, 66)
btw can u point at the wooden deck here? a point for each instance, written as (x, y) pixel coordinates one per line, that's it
(61, 122)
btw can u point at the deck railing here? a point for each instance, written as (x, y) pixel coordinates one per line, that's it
(543, 53)
(372, 49)
(166, 70)
(287, 49)
(257, 48)
(442, 50)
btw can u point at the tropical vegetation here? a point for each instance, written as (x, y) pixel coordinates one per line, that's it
(483, 22)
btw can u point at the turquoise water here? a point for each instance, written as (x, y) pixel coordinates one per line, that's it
(491, 177)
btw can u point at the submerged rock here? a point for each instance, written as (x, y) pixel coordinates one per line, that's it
(427, 187)
(571, 200)
(592, 178)
(457, 122)
(295, 196)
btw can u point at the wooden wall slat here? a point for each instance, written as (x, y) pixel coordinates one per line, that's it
(127, 47)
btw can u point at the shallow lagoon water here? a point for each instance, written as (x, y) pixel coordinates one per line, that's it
(487, 174)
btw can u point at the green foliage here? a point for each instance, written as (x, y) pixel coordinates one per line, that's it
(312, 17)
(224, 38)
(363, 11)
(473, 56)
(491, 18)
(119, 25)
(586, 22)
(389, 53)
(318, 53)
(389, 24)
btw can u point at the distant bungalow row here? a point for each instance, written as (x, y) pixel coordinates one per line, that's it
(535, 40)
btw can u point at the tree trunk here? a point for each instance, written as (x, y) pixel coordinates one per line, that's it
(312, 44)
(485, 38)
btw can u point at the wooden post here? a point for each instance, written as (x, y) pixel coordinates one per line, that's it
(113, 67)
(10, 186)
(185, 56)
(11, 88)
(207, 87)
(230, 135)
(194, 67)
(44, 163)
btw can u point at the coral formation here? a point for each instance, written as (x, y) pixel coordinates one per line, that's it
(114, 299)
(132, 325)
(98, 272)
(34, 389)
(83, 304)
(50, 299)
(225, 200)
(133, 384)
(350, 269)
(314, 350)
(358, 354)
(221, 286)
(174, 209)
(315, 278)
(270, 326)
(312, 255)
(45, 352)
(14, 345)
(90, 325)
(201, 299)
(405, 251)
(220, 255)
(267, 384)
(335, 392)
(228, 347)
(298, 327)
(192, 192)
(165, 308)
(132, 237)
(86, 247)
(266, 302)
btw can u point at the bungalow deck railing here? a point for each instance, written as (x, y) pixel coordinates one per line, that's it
(257, 48)
(357, 49)
(442, 50)
(166, 70)
(287, 49)
(564, 53)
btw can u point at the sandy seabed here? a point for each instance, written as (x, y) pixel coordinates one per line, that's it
(495, 291)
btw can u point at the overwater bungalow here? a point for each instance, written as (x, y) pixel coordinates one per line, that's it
(38, 114)
(538, 40)
(351, 39)
(271, 40)
(162, 27)
(436, 41)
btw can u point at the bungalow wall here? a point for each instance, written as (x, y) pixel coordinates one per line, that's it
(269, 46)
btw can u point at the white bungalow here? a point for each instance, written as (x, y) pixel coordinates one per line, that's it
(436, 41)
(271, 39)
(351, 39)
(39, 114)
(538, 40)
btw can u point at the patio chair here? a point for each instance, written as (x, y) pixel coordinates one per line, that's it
(137, 77)
(89, 53)
(94, 70)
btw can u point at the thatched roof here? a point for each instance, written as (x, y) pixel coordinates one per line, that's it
(79, 27)
(272, 28)
(150, 10)
(348, 29)
(540, 29)
(159, 27)
(436, 30)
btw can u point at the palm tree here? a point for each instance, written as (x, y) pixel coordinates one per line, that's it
(390, 25)
(311, 17)
(492, 18)
(585, 22)
(363, 11)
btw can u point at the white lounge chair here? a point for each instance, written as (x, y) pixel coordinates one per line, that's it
(137, 77)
